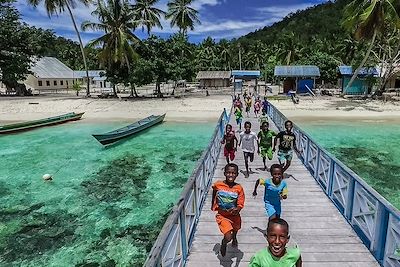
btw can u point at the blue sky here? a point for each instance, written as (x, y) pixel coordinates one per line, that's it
(219, 18)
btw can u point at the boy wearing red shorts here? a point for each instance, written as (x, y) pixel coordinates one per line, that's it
(228, 201)
(230, 142)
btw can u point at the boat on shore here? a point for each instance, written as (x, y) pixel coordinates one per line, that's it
(28, 125)
(129, 130)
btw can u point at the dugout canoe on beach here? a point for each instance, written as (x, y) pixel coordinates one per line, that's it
(28, 125)
(129, 130)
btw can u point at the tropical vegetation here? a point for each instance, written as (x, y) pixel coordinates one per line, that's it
(327, 35)
(54, 7)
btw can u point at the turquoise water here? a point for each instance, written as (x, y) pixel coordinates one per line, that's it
(105, 207)
(371, 149)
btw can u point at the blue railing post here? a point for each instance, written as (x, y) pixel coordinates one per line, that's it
(331, 174)
(381, 228)
(182, 223)
(348, 212)
(317, 163)
(307, 156)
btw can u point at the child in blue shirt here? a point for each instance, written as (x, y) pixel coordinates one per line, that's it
(275, 190)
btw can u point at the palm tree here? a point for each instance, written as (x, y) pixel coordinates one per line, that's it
(54, 7)
(225, 56)
(290, 49)
(117, 21)
(367, 19)
(147, 15)
(182, 15)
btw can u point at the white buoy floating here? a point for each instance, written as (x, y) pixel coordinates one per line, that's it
(47, 177)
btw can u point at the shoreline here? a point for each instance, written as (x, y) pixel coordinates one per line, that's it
(188, 109)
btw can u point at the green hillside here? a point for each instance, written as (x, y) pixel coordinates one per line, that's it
(312, 36)
(321, 22)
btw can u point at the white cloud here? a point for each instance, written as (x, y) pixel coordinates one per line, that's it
(282, 10)
(199, 4)
(222, 28)
(38, 16)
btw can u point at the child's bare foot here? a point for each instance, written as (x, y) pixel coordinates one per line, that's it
(223, 248)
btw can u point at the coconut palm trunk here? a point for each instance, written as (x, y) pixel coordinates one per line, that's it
(363, 61)
(82, 50)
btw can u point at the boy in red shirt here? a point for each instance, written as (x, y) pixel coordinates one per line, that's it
(228, 200)
(230, 142)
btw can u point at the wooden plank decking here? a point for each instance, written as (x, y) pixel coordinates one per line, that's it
(323, 235)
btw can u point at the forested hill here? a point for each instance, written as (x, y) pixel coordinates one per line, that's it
(319, 22)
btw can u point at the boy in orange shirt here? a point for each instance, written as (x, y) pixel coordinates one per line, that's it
(228, 200)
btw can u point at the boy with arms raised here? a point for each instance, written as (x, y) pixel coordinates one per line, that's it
(228, 201)
(275, 190)
(247, 139)
(265, 143)
(287, 141)
(276, 254)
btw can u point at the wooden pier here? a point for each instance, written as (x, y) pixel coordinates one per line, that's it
(324, 236)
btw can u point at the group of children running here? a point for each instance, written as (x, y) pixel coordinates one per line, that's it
(228, 196)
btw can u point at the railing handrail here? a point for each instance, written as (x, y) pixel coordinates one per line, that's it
(371, 190)
(380, 237)
(156, 251)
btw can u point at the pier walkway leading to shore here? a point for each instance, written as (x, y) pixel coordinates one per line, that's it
(334, 216)
(316, 226)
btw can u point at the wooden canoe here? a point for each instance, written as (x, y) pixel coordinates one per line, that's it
(28, 125)
(129, 130)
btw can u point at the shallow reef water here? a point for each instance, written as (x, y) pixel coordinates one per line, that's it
(370, 149)
(105, 206)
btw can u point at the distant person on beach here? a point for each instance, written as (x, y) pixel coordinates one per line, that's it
(230, 142)
(287, 141)
(257, 107)
(275, 191)
(247, 141)
(228, 200)
(276, 254)
(265, 143)
(238, 116)
(248, 102)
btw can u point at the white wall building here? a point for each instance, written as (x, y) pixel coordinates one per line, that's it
(50, 73)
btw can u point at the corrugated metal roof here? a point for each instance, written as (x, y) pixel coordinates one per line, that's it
(103, 78)
(92, 73)
(51, 68)
(246, 73)
(297, 71)
(367, 71)
(213, 75)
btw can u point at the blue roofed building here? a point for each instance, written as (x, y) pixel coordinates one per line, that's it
(97, 78)
(299, 78)
(362, 85)
(239, 76)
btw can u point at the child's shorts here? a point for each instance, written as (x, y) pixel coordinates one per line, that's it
(272, 209)
(228, 223)
(229, 153)
(285, 155)
(249, 155)
(266, 152)
(238, 120)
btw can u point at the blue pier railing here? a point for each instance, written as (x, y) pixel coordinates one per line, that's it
(372, 217)
(172, 245)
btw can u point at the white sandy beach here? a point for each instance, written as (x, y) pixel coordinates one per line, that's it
(191, 108)
(339, 109)
(198, 108)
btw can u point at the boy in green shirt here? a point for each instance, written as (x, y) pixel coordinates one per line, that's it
(265, 140)
(276, 254)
